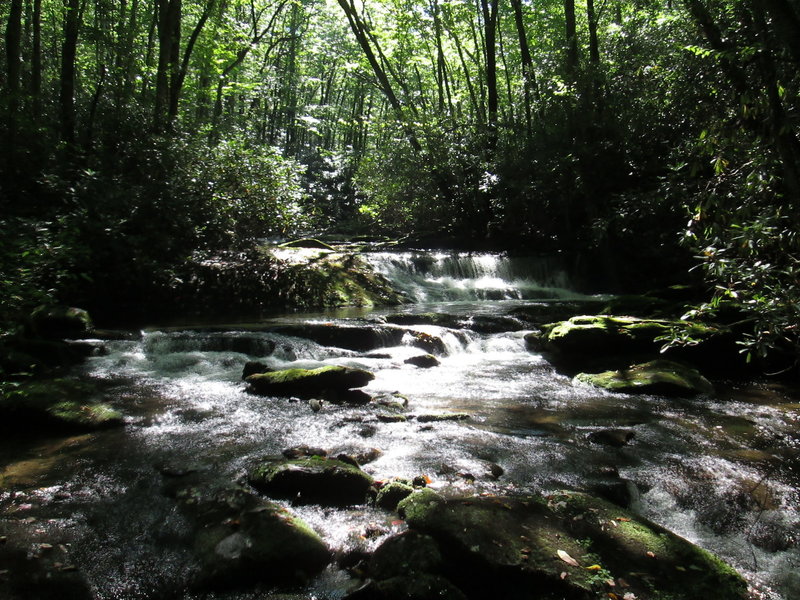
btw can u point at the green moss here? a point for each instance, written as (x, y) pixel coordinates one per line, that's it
(655, 377)
(308, 382)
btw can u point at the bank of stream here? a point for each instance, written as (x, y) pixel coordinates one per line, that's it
(721, 471)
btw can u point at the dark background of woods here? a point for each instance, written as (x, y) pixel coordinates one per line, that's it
(637, 138)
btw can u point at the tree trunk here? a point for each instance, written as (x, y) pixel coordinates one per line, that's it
(571, 40)
(528, 75)
(13, 40)
(176, 82)
(786, 22)
(169, 40)
(68, 53)
(489, 11)
(36, 61)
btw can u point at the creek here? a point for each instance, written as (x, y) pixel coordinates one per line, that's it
(722, 472)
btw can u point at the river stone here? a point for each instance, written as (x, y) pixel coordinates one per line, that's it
(392, 493)
(240, 539)
(513, 544)
(663, 377)
(612, 437)
(432, 344)
(307, 383)
(314, 480)
(424, 361)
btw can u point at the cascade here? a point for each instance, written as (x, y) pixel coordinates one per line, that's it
(461, 276)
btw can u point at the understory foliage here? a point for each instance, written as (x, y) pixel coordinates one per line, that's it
(141, 131)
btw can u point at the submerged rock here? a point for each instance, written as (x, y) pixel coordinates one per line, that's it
(568, 545)
(313, 480)
(306, 383)
(252, 367)
(361, 338)
(663, 377)
(240, 539)
(612, 437)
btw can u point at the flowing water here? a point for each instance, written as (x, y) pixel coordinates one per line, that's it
(722, 472)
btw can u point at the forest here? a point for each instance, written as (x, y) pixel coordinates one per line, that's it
(625, 134)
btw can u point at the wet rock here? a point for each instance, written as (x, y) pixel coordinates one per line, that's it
(535, 341)
(307, 383)
(349, 459)
(392, 493)
(303, 451)
(391, 418)
(60, 322)
(252, 367)
(515, 544)
(621, 492)
(44, 574)
(430, 343)
(424, 361)
(430, 318)
(663, 377)
(436, 418)
(394, 400)
(63, 405)
(361, 338)
(493, 323)
(612, 437)
(496, 471)
(316, 480)
(241, 539)
(354, 397)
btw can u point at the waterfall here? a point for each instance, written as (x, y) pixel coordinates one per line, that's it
(461, 276)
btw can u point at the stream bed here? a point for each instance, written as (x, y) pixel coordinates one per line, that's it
(722, 472)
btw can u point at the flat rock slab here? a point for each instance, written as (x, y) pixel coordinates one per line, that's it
(312, 480)
(568, 546)
(664, 377)
(307, 383)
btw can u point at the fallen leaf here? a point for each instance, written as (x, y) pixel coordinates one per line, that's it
(610, 583)
(594, 568)
(564, 574)
(567, 558)
(650, 554)
(629, 596)
(623, 519)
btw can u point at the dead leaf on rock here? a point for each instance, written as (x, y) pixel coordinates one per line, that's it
(567, 558)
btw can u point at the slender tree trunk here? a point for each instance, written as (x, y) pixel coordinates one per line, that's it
(528, 75)
(489, 11)
(786, 21)
(169, 40)
(571, 40)
(68, 53)
(13, 41)
(176, 83)
(36, 61)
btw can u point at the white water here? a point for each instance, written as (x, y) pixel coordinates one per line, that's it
(460, 276)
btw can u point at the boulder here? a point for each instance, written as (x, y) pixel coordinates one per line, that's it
(307, 383)
(62, 405)
(612, 437)
(313, 480)
(240, 539)
(663, 377)
(252, 367)
(567, 545)
(60, 322)
(432, 344)
(424, 361)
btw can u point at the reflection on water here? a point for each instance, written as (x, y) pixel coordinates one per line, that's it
(720, 472)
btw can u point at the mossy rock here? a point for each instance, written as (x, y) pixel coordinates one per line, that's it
(313, 480)
(503, 546)
(604, 333)
(60, 322)
(60, 405)
(241, 539)
(307, 383)
(663, 377)
(392, 493)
